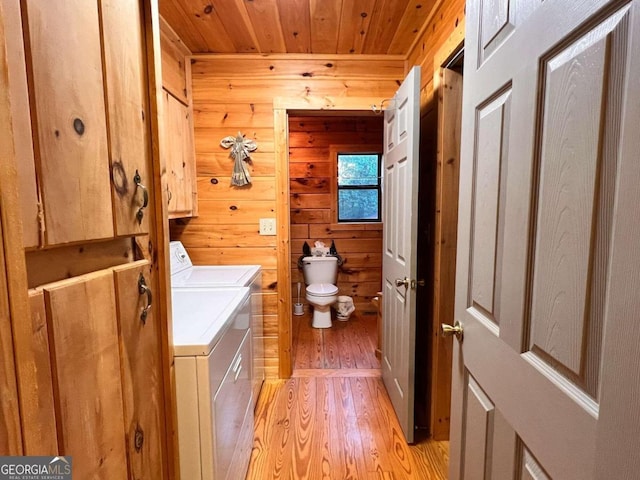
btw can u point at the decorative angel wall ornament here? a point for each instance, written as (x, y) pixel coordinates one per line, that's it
(240, 149)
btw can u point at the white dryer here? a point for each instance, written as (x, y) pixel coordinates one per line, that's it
(215, 323)
(213, 369)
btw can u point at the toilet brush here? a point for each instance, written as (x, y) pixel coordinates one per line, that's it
(298, 308)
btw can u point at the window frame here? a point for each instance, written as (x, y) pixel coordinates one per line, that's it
(337, 150)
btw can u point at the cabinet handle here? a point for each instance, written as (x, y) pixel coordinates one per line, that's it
(142, 289)
(145, 196)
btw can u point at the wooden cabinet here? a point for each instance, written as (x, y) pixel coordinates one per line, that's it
(177, 145)
(107, 377)
(177, 141)
(92, 372)
(88, 97)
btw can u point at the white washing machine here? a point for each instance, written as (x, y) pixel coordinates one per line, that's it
(184, 274)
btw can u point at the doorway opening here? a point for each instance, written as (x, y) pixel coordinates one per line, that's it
(316, 141)
(288, 250)
(437, 234)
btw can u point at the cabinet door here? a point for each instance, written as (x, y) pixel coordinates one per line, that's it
(142, 377)
(174, 63)
(126, 82)
(178, 148)
(64, 59)
(86, 365)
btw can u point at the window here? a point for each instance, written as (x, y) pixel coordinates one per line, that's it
(359, 187)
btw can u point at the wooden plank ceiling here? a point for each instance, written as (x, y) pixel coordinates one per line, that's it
(387, 27)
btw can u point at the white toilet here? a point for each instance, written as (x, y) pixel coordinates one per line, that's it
(320, 275)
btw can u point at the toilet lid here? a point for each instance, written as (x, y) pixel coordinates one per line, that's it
(322, 289)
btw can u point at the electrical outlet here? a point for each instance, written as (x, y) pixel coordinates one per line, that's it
(267, 226)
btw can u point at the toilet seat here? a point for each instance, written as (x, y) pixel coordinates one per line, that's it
(322, 289)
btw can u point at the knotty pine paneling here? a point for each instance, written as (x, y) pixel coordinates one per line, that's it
(210, 188)
(299, 231)
(208, 139)
(229, 236)
(303, 156)
(440, 27)
(309, 185)
(243, 90)
(220, 164)
(310, 169)
(235, 115)
(311, 199)
(234, 94)
(299, 67)
(416, 14)
(234, 256)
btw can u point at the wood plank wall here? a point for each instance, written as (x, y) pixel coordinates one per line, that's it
(438, 31)
(313, 142)
(234, 93)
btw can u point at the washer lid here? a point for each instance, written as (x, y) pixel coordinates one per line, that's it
(322, 289)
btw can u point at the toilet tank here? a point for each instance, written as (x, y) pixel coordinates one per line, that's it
(320, 270)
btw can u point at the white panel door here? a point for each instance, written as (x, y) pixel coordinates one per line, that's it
(400, 217)
(545, 379)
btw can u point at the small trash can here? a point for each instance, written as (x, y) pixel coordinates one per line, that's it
(344, 307)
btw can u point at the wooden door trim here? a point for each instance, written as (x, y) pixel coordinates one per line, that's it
(445, 233)
(159, 234)
(15, 274)
(281, 108)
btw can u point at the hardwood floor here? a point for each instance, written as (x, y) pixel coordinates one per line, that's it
(336, 427)
(345, 345)
(333, 419)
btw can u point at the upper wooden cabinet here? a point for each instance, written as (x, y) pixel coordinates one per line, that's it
(87, 88)
(177, 142)
(174, 64)
(178, 151)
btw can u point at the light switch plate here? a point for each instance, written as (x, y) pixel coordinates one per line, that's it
(267, 226)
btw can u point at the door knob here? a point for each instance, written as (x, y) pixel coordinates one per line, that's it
(400, 282)
(448, 330)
